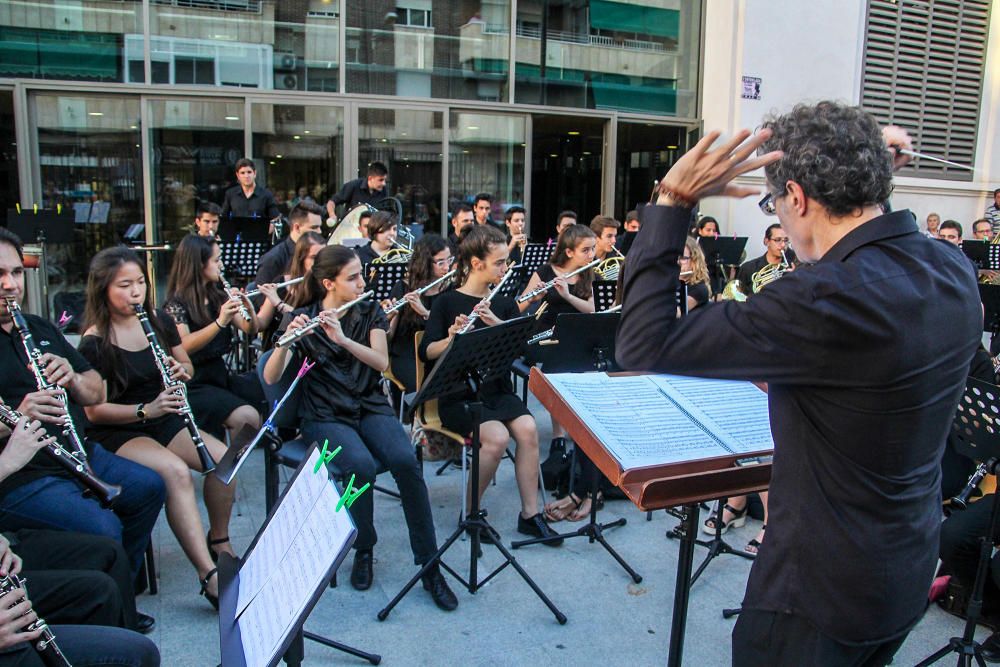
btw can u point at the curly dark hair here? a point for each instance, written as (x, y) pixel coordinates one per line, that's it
(835, 152)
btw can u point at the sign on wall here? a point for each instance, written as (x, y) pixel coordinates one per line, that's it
(751, 88)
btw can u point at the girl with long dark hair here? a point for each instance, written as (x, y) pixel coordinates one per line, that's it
(342, 404)
(279, 302)
(482, 262)
(140, 419)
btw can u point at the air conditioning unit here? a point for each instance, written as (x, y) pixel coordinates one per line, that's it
(286, 82)
(284, 61)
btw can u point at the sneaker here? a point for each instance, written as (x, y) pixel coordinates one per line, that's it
(536, 527)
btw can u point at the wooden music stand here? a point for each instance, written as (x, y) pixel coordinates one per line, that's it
(659, 487)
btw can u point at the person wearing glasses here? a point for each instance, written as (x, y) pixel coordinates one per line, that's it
(694, 272)
(432, 259)
(776, 241)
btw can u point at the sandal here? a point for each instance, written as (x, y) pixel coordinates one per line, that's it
(209, 542)
(561, 510)
(739, 518)
(753, 546)
(212, 599)
(580, 513)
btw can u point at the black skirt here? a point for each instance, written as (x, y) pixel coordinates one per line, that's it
(161, 429)
(502, 407)
(216, 392)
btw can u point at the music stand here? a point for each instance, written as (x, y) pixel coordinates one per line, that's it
(471, 360)
(977, 435)
(722, 252)
(534, 255)
(512, 287)
(42, 227)
(385, 278)
(591, 341)
(604, 294)
(978, 253)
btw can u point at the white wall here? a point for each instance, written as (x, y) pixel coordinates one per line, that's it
(806, 52)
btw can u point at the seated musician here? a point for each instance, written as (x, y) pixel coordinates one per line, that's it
(368, 189)
(950, 231)
(630, 227)
(41, 494)
(564, 220)
(431, 260)
(206, 221)
(694, 273)
(982, 230)
(342, 404)
(205, 315)
(483, 261)
(514, 219)
(461, 219)
(305, 217)
(606, 230)
(279, 302)
(382, 232)
(141, 419)
(775, 241)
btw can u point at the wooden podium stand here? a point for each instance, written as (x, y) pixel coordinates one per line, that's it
(658, 487)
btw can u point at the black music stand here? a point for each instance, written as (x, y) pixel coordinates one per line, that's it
(604, 294)
(471, 360)
(42, 227)
(512, 287)
(990, 297)
(534, 255)
(589, 344)
(385, 277)
(985, 255)
(722, 252)
(977, 435)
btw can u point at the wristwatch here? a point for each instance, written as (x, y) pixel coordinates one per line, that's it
(139, 412)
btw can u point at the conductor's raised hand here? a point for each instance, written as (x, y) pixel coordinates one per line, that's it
(897, 139)
(705, 171)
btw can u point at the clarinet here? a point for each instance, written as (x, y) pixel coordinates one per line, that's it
(78, 468)
(35, 359)
(207, 463)
(244, 313)
(45, 645)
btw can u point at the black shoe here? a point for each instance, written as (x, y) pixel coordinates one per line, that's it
(991, 648)
(536, 527)
(212, 599)
(555, 465)
(435, 582)
(144, 623)
(362, 574)
(209, 542)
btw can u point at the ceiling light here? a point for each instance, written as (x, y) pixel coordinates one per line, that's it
(295, 136)
(95, 113)
(472, 127)
(232, 117)
(671, 148)
(573, 133)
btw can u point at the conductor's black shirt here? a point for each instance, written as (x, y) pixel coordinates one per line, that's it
(865, 354)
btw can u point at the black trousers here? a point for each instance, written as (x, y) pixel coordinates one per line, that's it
(772, 639)
(960, 535)
(75, 578)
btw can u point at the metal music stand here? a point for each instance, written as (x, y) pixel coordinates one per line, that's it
(990, 297)
(512, 287)
(977, 435)
(42, 227)
(534, 255)
(722, 252)
(604, 294)
(589, 345)
(471, 360)
(385, 278)
(978, 253)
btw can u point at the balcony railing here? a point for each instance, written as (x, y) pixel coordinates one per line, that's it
(533, 32)
(252, 6)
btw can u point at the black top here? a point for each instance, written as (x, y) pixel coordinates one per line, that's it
(260, 203)
(356, 192)
(746, 271)
(409, 322)
(450, 305)
(698, 292)
(341, 387)
(557, 304)
(140, 380)
(20, 381)
(274, 262)
(216, 348)
(866, 356)
(366, 254)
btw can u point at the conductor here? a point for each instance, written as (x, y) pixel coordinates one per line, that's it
(862, 380)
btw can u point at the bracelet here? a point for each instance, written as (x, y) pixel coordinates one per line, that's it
(679, 200)
(218, 325)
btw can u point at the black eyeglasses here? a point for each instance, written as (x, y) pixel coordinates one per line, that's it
(767, 205)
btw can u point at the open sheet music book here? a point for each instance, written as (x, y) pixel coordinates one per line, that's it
(649, 420)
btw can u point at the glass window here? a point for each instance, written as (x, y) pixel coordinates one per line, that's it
(298, 151)
(409, 144)
(10, 190)
(646, 152)
(246, 43)
(90, 163)
(68, 39)
(429, 48)
(630, 55)
(486, 155)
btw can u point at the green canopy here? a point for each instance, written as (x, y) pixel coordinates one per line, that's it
(623, 17)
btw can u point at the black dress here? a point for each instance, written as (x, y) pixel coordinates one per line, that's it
(402, 356)
(556, 303)
(500, 403)
(698, 292)
(139, 382)
(214, 392)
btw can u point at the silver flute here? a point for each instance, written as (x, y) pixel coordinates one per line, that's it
(160, 357)
(474, 315)
(544, 287)
(542, 335)
(244, 313)
(35, 360)
(293, 281)
(402, 302)
(298, 333)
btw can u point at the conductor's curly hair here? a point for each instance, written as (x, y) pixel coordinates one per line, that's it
(835, 152)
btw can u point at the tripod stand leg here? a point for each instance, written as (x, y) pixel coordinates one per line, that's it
(561, 617)
(435, 559)
(682, 587)
(373, 658)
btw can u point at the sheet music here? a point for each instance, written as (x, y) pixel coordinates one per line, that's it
(735, 411)
(635, 421)
(313, 536)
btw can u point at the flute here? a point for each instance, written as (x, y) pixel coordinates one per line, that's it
(244, 313)
(402, 302)
(293, 281)
(296, 334)
(544, 287)
(473, 316)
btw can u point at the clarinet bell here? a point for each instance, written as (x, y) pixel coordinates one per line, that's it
(207, 463)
